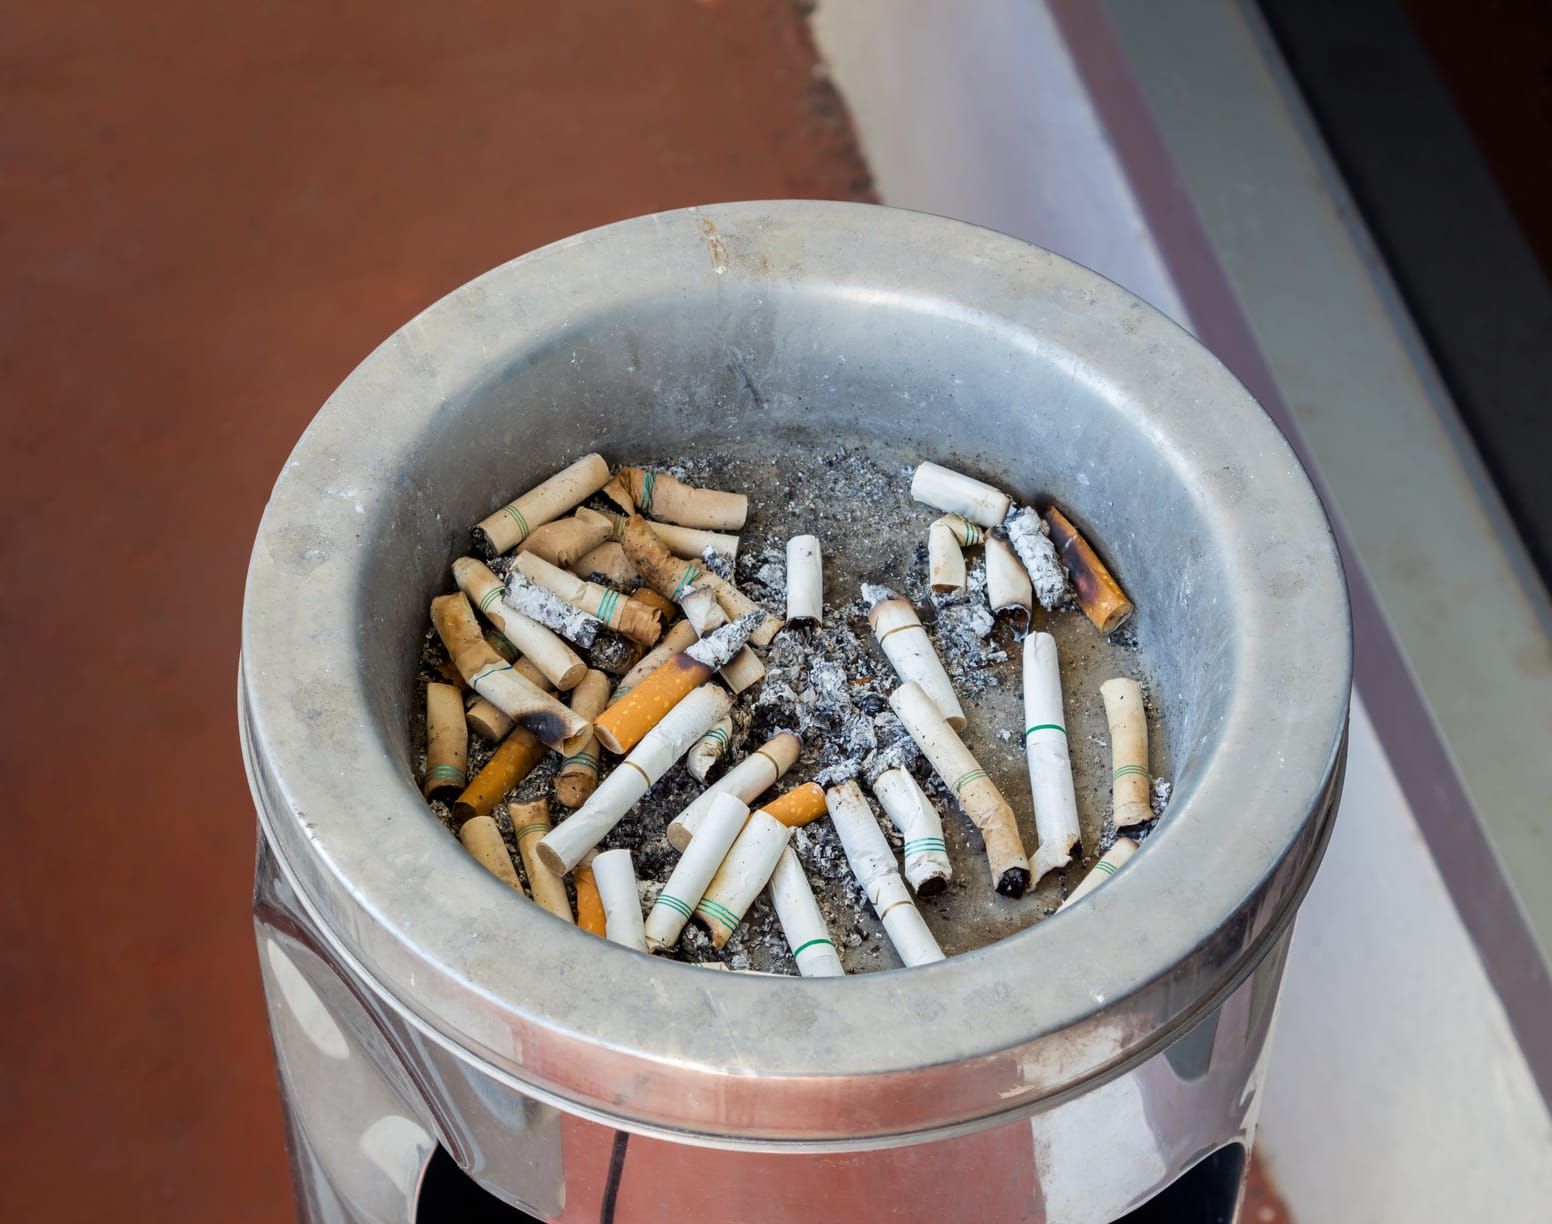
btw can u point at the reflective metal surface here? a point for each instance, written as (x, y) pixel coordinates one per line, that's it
(807, 323)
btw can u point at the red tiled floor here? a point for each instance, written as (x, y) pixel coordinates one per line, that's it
(213, 211)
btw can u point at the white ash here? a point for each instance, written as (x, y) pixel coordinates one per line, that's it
(873, 595)
(1031, 539)
(550, 610)
(1158, 800)
(961, 631)
(720, 645)
(903, 753)
(718, 564)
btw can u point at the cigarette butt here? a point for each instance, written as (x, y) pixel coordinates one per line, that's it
(1130, 780)
(606, 605)
(1008, 589)
(679, 636)
(616, 880)
(663, 497)
(736, 604)
(670, 576)
(945, 563)
(577, 776)
(530, 822)
(707, 751)
(1107, 866)
(701, 608)
(513, 523)
(485, 720)
(622, 726)
(873, 863)
(590, 907)
(957, 493)
(906, 645)
(1050, 767)
(927, 866)
(493, 678)
(1099, 595)
(565, 540)
(743, 873)
(546, 650)
(742, 670)
(692, 542)
(802, 805)
(512, 761)
(652, 599)
(676, 902)
(801, 922)
(609, 562)
(749, 779)
(447, 743)
(976, 792)
(482, 838)
(563, 847)
(805, 579)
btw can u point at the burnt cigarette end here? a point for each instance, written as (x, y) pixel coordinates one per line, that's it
(1013, 882)
(937, 884)
(1099, 594)
(486, 547)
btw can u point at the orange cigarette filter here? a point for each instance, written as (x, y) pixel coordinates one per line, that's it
(799, 806)
(1099, 594)
(509, 764)
(621, 726)
(645, 594)
(590, 906)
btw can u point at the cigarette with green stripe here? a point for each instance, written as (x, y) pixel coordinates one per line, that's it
(664, 497)
(1114, 858)
(801, 921)
(514, 522)
(577, 777)
(1045, 747)
(530, 822)
(945, 560)
(749, 779)
(694, 871)
(899, 633)
(606, 605)
(927, 867)
(744, 871)
(542, 647)
(873, 863)
(447, 743)
(976, 793)
(1130, 781)
(707, 751)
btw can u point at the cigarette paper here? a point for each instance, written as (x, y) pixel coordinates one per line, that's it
(564, 845)
(577, 776)
(564, 541)
(609, 562)
(959, 494)
(927, 866)
(945, 563)
(514, 522)
(1032, 542)
(1099, 595)
(693, 872)
(482, 838)
(738, 605)
(590, 907)
(447, 743)
(701, 607)
(1107, 866)
(679, 635)
(977, 794)
(530, 822)
(493, 678)
(805, 579)
(547, 651)
(619, 612)
(749, 779)
(708, 750)
(512, 761)
(1007, 581)
(663, 497)
(1050, 768)
(487, 721)
(1130, 781)
(909, 650)
(802, 805)
(801, 921)
(616, 879)
(743, 873)
(742, 670)
(873, 863)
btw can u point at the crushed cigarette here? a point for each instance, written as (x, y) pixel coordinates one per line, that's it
(1130, 780)
(748, 780)
(873, 863)
(530, 822)
(678, 898)
(514, 522)
(927, 866)
(619, 612)
(1114, 858)
(808, 938)
(1008, 589)
(1030, 538)
(563, 541)
(559, 664)
(1050, 767)
(577, 776)
(609, 562)
(1099, 595)
(741, 876)
(661, 496)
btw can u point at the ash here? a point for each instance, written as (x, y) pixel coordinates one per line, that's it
(1031, 539)
(550, 610)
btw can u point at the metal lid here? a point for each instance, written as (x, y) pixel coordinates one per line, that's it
(734, 1059)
